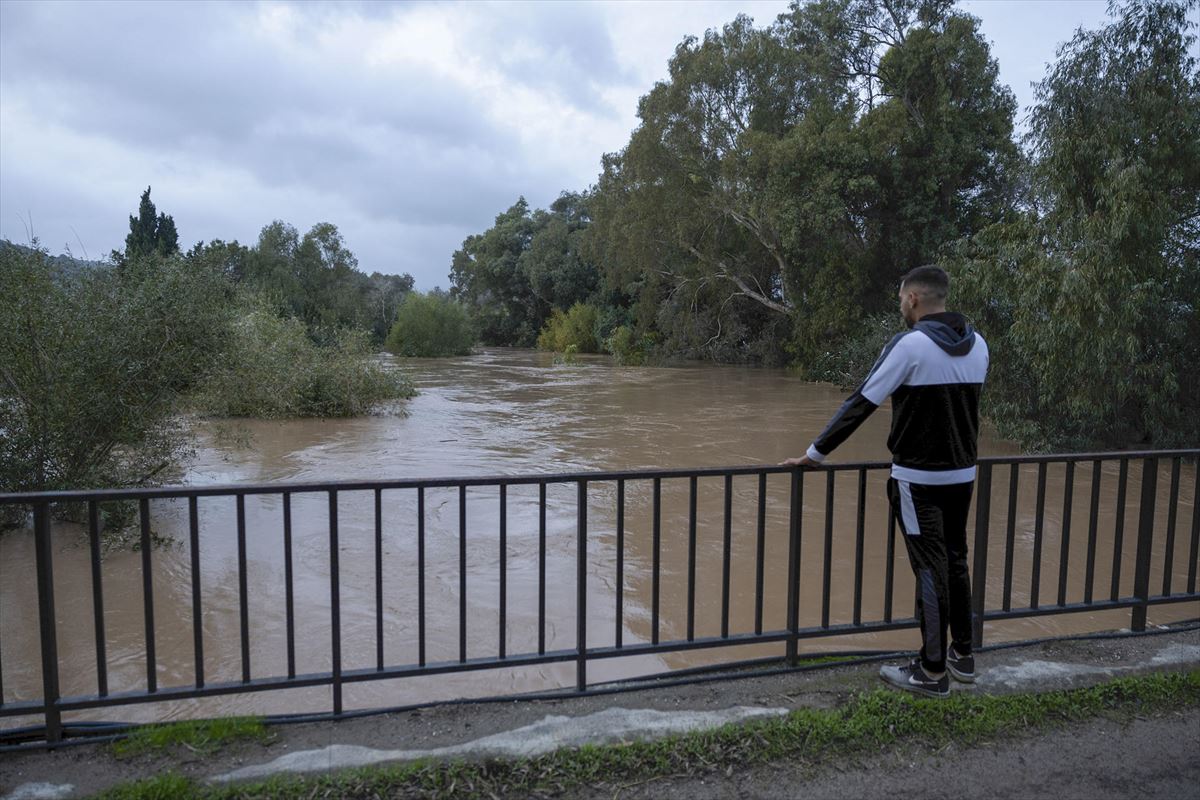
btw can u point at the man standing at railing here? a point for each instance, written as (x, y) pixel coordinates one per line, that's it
(934, 373)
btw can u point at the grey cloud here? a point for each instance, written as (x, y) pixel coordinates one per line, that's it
(563, 47)
(394, 153)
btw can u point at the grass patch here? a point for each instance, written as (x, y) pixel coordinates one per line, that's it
(807, 737)
(200, 736)
(168, 786)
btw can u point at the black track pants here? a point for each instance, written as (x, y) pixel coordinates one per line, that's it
(933, 520)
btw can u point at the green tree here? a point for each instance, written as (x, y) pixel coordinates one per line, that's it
(1095, 292)
(431, 326)
(150, 233)
(485, 275)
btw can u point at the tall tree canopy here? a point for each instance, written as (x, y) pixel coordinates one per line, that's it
(150, 233)
(1096, 289)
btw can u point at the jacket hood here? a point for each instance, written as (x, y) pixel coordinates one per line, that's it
(949, 330)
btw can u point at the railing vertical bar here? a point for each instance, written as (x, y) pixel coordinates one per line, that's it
(1119, 529)
(1089, 577)
(889, 573)
(1195, 548)
(541, 568)
(656, 559)
(828, 569)
(379, 580)
(983, 518)
(795, 512)
(462, 574)
(243, 599)
(197, 611)
(289, 585)
(1145, 543)
(725, 553)
(2, 641)
(619, 624)
(1065, 550)
(1010, 535)
(581, 588)
(335, 604)
(860, 532)
(691, 565)
(148, 597)
(421, 575)
(98, 601)
(760, 554)
(503, 632)
(1039, 525)
(47, 620)
(1172, 518)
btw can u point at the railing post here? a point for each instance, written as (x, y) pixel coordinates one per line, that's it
(793, 614)
(983, 514)
(335, 606)
(1145, 541)
(49, 633)
(581, 589)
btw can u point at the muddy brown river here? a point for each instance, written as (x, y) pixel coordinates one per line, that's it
(513, 412)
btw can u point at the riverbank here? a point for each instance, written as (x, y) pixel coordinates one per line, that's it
(1014, 730)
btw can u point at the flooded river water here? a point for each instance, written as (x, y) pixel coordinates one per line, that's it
(513, 412)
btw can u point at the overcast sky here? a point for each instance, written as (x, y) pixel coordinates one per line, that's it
(409, 126)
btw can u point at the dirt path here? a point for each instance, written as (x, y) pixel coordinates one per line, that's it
(1155, 758)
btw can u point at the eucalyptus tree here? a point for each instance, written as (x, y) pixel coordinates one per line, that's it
(1100, 281)
(792, 173)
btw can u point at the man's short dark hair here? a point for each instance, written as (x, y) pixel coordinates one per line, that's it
(932, 280)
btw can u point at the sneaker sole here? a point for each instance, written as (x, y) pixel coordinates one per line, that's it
(908, 687)
(961, 677)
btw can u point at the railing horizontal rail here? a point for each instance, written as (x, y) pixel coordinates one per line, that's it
(706, 557)
(307, 487)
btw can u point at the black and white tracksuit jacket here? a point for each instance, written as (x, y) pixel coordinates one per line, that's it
(934, 374)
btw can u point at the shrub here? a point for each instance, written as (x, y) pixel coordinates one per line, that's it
(627, 348)
(94, 363)
(431, 326)
(270, 368)
(576, 327)
(849, 359)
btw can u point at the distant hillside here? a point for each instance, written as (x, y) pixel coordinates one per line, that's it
(63, 263)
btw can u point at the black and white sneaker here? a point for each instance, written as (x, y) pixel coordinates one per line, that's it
(913, 678)
(962, 668)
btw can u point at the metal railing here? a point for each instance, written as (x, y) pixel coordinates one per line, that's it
(52, 705)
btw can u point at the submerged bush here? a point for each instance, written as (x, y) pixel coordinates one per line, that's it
(431, 326)
(627, 348)
(271, 368)
(577, 327)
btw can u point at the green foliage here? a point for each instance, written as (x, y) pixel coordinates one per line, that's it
(576, 328)
(431, 326)
(93, 364)
(1094, 301)
(270, 368)
(149, 235)
(199, 736)
(527, 265)
(315, 278)
(847, 361)
(627, 348)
